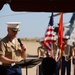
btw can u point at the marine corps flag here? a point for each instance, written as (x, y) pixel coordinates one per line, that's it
(60, 31)
(49, 34)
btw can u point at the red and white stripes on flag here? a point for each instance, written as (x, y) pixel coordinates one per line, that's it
(49, 34)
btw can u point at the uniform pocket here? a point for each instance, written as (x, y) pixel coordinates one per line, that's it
(8, 52)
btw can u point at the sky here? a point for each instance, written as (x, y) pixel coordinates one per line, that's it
(33, 24)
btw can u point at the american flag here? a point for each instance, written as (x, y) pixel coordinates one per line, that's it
(49, 34)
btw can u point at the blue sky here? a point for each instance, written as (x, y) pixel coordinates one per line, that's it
(33, 24)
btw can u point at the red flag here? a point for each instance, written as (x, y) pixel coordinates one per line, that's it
(49, 34)
(60, 31)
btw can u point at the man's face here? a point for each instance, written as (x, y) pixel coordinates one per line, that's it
(12, 33)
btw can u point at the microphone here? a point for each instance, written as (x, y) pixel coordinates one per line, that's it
(20, 42)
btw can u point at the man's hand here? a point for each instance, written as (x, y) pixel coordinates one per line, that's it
(23, 48)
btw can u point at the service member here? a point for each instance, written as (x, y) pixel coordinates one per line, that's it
(41, 50)
(11, 51)
(66, 56)
(42, 53)
(56, 55)
(73, 56)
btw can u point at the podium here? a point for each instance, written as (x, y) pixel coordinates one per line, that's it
(27, 63)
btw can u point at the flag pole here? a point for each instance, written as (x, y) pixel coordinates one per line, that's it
(60, 37)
